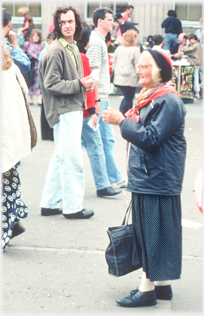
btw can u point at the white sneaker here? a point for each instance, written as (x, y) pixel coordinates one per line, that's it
(119, 184)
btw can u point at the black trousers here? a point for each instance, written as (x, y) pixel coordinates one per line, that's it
(129, 93)
(46, 130)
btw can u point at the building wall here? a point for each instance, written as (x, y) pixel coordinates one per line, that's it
(49, 9)
(150, 17)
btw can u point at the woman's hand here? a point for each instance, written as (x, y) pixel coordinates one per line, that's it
(112, 116)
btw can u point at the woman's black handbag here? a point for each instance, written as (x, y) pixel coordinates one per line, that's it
(119, 252)
(33, 129)
(30, 75)
(112, 76)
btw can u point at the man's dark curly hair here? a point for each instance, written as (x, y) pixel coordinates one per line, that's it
(56, 20)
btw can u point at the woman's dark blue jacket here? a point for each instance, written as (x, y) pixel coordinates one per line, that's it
(156, 147)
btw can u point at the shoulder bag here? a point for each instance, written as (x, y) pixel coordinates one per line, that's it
(29, 76)
(119, 251)
(33, 130)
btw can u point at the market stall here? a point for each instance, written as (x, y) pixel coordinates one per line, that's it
(182, 78)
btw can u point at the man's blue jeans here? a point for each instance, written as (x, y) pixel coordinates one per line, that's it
(170, 39)
(92, 142)
(65, 176)
(107, 136)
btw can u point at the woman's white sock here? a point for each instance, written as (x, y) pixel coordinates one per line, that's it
(146, 285)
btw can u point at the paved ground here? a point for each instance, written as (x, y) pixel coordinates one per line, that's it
(58, 265)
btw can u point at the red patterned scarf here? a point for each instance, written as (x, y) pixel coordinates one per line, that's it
(146, 96)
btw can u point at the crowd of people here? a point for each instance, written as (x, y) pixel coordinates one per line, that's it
(72, 77)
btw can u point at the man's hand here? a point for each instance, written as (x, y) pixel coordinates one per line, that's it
(12, 39)
(88, 83)
(112, 116)
(94, 120)
(177, 55)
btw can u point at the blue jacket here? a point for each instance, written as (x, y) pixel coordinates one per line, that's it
(157, 147)
(172, 25)
(19, 57)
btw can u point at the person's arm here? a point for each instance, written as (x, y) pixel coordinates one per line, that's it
(155, 133)
(19, 57)
(97, 100)
(188, 50)
(164, 24)
(94, 56)
(180, 30)
(53, 82)
(117, 27)
(198, 34)
(26, 26)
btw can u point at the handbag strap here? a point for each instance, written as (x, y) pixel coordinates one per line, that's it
(127, 214)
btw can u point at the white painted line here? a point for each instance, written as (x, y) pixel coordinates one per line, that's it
(71, 250)
(190, 224)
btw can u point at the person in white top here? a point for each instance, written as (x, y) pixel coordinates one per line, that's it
(16, 144)
(158, 41)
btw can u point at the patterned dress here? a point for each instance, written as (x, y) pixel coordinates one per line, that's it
(157, 235)
(33, 49)
(13, 208)
(27, 32)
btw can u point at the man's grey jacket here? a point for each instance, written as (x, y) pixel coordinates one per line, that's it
(60, 82)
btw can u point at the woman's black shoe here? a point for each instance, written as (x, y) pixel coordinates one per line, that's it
(163, 292)
(139, 299)
(17, 230)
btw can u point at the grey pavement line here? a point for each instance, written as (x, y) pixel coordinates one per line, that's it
(67, 250)
(58, 250)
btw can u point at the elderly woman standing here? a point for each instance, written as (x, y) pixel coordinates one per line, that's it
(126, 56)
(154, 129)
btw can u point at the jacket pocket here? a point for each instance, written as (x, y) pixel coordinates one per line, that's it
(143, 163)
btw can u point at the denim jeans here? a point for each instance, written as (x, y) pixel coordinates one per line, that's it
(196, 80)
(65, 176)
(93, 144)
(170, 39)
(129, 93)
(108, 139)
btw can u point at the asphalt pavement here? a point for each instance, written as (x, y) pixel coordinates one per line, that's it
(58, 265)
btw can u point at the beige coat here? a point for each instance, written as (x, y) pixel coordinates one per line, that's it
(194, 53)
(16, 141)
(124, 61)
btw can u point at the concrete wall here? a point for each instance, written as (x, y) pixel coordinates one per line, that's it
(49, 8)
(150, 17)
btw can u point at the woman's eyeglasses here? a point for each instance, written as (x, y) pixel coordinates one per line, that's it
(142, 67)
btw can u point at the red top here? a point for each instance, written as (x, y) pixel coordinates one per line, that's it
(90, 96)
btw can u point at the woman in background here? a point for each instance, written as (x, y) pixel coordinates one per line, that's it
(33, 48)
(28, 25)
(16, 144)
(124, 60)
